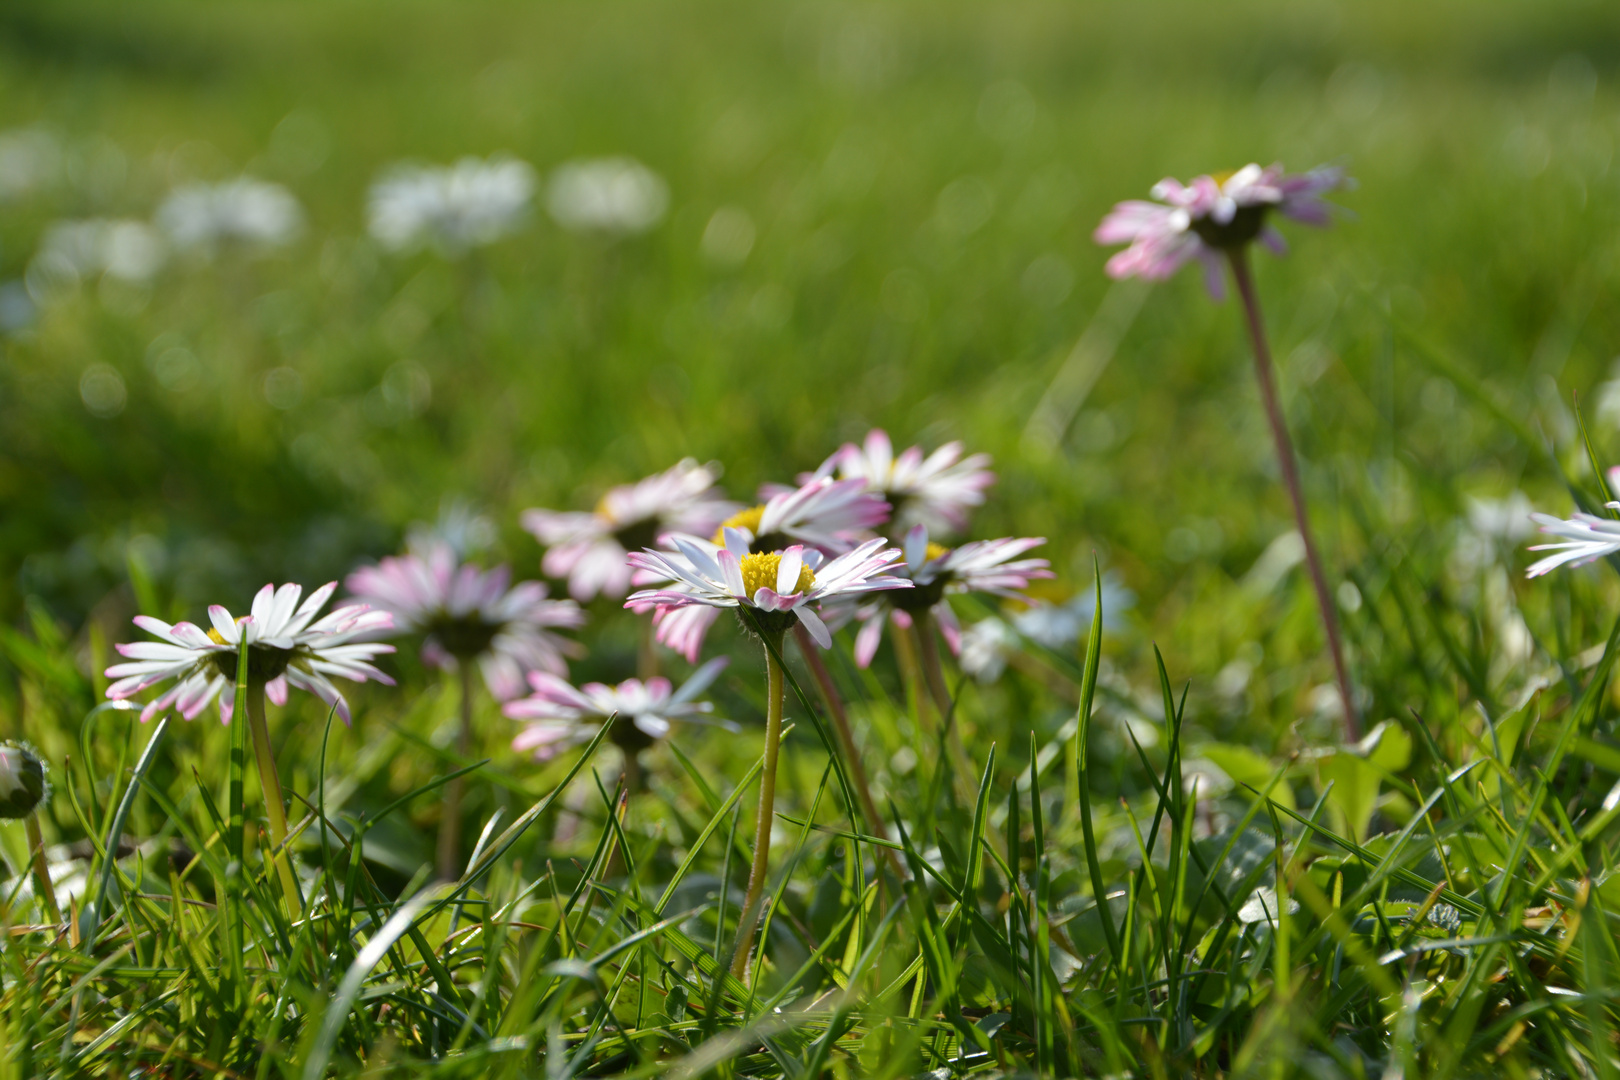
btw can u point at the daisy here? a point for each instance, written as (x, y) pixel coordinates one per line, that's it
(469, 204)
(1213, 214)
(772, 591)
(937, 490)
(558, 715)
(253, 213)
(823, 513)
(22, 780)
(469, 614)
(287, 646)
(23, 790)
(989, 566)
(589, 549)
(776, 590)
(1584, 538)
(1214, 219)
(610, 195)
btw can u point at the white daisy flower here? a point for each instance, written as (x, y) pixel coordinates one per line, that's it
(611, 195)
(471, 614)
(937, 491)
(990, 566)
(469, 204)
(558, 715)
(589, 549)
(775, 589)
(287, 646)
(1585, 537)
(247, 212)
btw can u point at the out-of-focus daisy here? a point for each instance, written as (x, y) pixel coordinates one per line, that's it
(472, 615)
(589, 549)
(937, 490)
(253, 214)
(1212, 214)
(611, 195)
(30, 158)
(558, 715)
(777, 589)
(989, 566)
(469, 204)
(1583, 539)
(287, 646)
(73, 251)
(823, 513)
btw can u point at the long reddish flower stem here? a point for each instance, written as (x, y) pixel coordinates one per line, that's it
(1239, 259)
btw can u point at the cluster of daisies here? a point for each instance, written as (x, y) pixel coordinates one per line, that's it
(447, 208)
(814, 555)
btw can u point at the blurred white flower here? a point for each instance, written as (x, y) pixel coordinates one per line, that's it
(453, 208)
(614, 195)
(30, 158)
(255, 214)
(985, 648)
(73, 251)
(1502, 519)
(1060, 626)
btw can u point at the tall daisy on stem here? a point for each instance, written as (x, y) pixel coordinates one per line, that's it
(1214, 220)
(470, 616)
(286, 646)
(772, 592)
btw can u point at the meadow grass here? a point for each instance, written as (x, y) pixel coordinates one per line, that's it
(1161, 861)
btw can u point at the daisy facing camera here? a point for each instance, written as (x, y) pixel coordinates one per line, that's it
(22, 781)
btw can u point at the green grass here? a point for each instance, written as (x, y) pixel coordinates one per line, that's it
(1452, 881)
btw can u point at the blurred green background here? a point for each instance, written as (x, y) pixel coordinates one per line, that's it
(909, 190)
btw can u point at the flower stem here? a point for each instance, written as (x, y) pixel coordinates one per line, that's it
(757, 872)
(42, 873)
(840, 716)
(922, 626)
(449, 856)
(1238, 257)
(275, 808)
(647, 652)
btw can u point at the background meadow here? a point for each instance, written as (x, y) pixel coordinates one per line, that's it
(879, 215)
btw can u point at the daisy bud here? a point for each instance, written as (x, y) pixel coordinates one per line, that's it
(22, 780)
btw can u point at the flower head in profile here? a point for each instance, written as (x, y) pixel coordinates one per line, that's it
(23, 786)
(937, 490)
(589, 549)
(287, 646)
(774, 590)
(608, 195)
(254, 214)
(823, 513)
(987, 566)
(1582, 539)
(472, 615)
(453, 208)
(558, 715)
(1211, 215)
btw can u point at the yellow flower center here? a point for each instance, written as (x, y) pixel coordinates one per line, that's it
(743, 519)
(1221, 178)
(759, 571)
(935, 551)
(214, 636)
